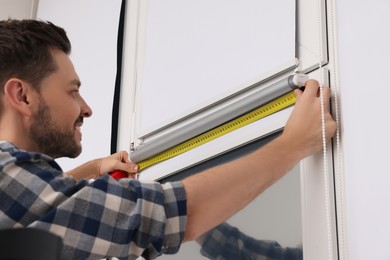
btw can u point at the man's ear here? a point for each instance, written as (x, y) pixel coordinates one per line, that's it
(18, 93)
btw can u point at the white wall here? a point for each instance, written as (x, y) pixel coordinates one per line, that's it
(92, 26)
(17, 9)
(364, 51)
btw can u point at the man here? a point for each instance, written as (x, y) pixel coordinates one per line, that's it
(41, 113)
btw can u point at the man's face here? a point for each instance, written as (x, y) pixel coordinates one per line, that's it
(56, 123)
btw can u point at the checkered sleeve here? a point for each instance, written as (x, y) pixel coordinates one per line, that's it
(226, 242)
(105, 218)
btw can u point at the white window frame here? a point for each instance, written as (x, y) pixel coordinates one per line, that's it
(320, 238)
(308, 53)
(135, 26)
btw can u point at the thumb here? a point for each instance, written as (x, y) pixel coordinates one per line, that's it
(129, 167)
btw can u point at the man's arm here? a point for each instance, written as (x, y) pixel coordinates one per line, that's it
(218, 193)
(95, 168)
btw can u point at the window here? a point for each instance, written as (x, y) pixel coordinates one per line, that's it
(145, 123)
(158, 111)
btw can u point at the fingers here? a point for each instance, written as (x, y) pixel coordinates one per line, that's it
(326, 92)
(298, 93)
(120, 161)
(128, 166)
(306, 116)
(123, 156)
(312, 90)
(131, 167)
(134, 168)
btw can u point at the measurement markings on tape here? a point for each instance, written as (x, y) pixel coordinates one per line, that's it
(252, 116)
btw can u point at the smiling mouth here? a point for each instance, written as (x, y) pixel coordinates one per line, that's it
(79, 122)
(78, 131)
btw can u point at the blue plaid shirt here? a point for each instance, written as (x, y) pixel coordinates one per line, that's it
(228, 243)
(125, 218)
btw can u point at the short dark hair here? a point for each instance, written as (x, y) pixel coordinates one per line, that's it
(25, 50)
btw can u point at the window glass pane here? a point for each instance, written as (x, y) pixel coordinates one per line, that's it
(194, 51)
(270, 226)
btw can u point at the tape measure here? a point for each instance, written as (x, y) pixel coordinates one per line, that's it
(252, 116)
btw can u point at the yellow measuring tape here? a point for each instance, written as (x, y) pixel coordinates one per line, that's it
(252, 116)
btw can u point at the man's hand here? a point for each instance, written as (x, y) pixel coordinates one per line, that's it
(117, 161)
(96, 168)
(304, 127)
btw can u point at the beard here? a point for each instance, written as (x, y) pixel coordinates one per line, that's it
(49, 138)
